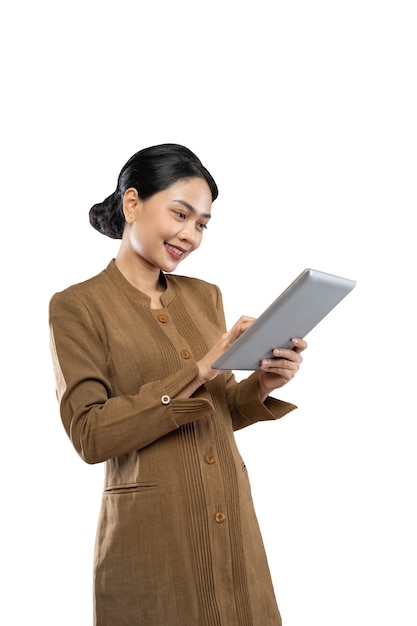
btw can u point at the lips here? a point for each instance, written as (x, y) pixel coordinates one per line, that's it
(175, 252)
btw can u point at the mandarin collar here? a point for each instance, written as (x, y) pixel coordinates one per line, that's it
(122, 283)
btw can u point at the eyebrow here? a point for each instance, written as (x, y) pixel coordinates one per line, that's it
(192, 209)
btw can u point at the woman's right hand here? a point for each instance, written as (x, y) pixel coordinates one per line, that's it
(206, 372)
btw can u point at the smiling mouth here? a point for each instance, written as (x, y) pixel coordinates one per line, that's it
(176, 253)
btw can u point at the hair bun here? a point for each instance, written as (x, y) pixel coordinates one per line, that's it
(105, 219)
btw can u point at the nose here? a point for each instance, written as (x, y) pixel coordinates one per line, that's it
(187, 234)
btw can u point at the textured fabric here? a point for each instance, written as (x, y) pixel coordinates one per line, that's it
(178, 543)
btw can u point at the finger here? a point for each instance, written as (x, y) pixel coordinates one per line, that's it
(232, 335)
(280, 365)
(243, 323)
(299, 344)
(287, 354)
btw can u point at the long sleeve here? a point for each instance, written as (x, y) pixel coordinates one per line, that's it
(245, 406)
(100, 424)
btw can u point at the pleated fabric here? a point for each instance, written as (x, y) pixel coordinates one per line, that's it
(178, 542)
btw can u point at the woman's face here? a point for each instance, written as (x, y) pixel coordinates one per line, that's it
(164, 229)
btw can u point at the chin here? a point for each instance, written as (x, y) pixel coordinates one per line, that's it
(169, 267)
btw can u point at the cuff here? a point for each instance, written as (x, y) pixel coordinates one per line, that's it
(250, 405)
(183, 410)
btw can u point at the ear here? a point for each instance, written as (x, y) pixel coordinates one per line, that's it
(131, 203)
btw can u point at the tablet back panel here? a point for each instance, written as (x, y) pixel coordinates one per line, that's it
(294, 313)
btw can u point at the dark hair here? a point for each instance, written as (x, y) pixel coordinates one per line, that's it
(148, 171)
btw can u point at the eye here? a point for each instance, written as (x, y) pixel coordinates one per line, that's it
(202, 226)
(181, 215)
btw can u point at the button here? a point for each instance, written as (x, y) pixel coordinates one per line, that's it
(185, 354)
(210, 459)
(163, 318)
(165, 399)
(220, 517)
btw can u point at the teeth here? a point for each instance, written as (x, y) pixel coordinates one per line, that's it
(176, 250)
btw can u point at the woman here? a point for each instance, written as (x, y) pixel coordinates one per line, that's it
(178, 543)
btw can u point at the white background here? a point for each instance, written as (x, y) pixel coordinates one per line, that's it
(305, 113)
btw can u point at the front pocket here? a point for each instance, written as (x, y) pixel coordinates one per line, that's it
(129, 488)
(131, 569)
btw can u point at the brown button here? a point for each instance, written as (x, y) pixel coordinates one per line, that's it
(163, 318)
(185, 354)
(210, 459)
(220, 517)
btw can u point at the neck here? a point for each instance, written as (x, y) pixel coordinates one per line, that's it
(141, 276)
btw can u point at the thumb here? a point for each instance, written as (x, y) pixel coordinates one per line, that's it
(234, 334)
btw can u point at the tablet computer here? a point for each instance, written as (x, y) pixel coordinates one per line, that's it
(309, 298)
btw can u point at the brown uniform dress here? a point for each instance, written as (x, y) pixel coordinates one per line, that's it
(178, 542)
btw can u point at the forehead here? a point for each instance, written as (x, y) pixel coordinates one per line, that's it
(194, 193)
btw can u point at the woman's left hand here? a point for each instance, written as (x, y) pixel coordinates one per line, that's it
(278, 371)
